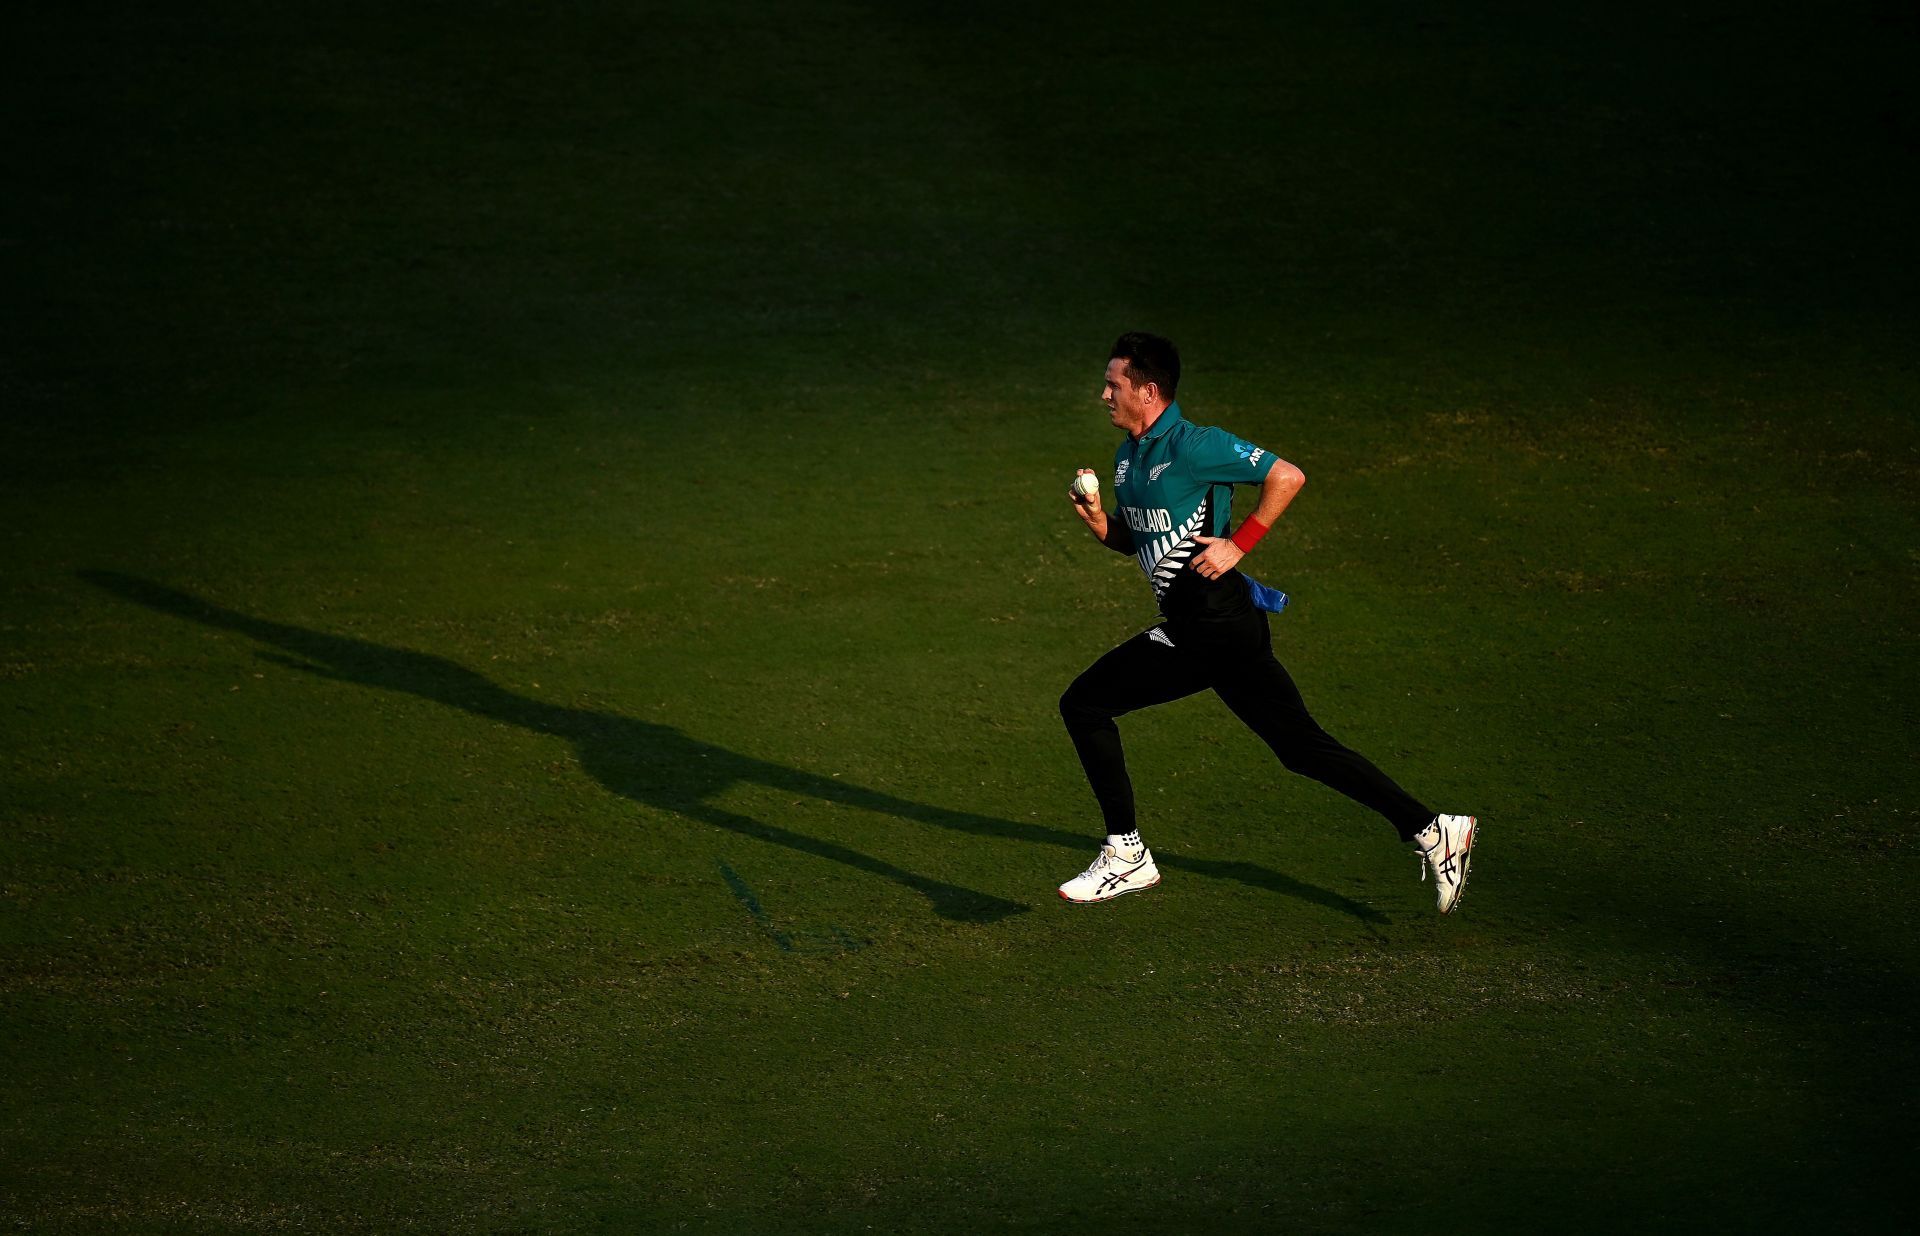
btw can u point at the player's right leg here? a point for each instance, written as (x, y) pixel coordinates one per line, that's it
(1146, 670)
(1261, 693)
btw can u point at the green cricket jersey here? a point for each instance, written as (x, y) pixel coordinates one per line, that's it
(1173, 483)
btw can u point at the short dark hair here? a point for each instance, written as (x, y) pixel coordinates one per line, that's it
(1150, 358)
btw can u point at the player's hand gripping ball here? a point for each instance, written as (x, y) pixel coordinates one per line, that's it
(1086, 486)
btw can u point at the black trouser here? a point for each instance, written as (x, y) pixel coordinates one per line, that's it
(1235, 659)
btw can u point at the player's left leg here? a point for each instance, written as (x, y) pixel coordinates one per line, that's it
(1146, 670)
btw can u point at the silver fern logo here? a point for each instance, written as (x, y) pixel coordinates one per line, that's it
(1157, 470)
(1164, 558)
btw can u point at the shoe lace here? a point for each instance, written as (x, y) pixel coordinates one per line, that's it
(1425, 857)
(1427, 860)
(1098, 864)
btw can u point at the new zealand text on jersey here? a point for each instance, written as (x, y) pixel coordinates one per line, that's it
(1147, 519)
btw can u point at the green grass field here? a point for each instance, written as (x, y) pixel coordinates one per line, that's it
(537, 580)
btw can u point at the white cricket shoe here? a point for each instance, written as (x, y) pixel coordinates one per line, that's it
(1446, 848)
(1112, 874)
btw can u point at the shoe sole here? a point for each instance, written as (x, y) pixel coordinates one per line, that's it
(1094, 901)
(1466, 863)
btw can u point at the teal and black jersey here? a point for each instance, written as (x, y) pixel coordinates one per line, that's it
(1173, 483)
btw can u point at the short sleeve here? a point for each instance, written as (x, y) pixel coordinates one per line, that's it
(1218, 458)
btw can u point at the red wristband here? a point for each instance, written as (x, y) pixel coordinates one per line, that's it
(1250, 534)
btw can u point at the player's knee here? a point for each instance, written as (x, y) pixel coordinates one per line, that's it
(1078, 711)
(1308, 754)
(1291, 758)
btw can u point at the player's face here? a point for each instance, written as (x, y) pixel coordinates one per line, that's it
(1126, 403)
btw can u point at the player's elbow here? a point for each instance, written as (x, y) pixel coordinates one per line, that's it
(1291, 478)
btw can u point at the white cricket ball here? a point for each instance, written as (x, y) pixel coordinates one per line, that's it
(1086, 485)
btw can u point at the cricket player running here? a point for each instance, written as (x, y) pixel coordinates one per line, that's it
(1173, 480)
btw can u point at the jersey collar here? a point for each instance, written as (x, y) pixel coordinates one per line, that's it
(1166, 422)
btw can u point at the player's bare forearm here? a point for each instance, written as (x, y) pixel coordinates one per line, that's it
(1109, 532)
(1115, 535)
(1277, 491)
(1223, 554)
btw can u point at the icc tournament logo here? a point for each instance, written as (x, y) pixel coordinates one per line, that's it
(1120, 473)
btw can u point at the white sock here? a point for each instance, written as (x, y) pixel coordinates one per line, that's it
(1127, 843)
(1430, 834)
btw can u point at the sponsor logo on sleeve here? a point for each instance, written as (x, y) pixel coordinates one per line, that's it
(1248, 451)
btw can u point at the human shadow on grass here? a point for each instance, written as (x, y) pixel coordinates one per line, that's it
(659, 766)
